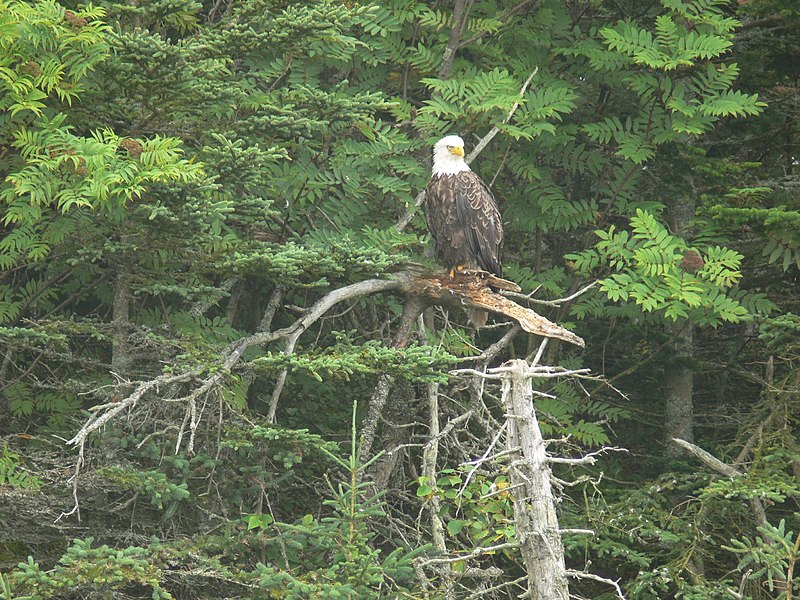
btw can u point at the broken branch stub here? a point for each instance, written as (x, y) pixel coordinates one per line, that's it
(473, 289)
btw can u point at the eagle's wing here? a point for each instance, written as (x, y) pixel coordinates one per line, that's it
(449, 235)
(480, 219)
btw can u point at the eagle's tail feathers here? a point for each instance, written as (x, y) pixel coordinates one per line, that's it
(477, 317)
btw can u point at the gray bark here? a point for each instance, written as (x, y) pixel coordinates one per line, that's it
(679, 387)
(679, 380)
(412, 309)
(121, 355)
(534, 502)
(453, 39)
(429, 459)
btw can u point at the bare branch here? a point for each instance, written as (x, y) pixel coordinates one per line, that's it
(751, 441)
(717, 465)
(104, 413)
(708, 459)
(476, 373)
(474, 554)
(483, 458)
(96, 421)
(498, 587)
(589, 459)
(451, 424)
(540, 372)
(611, 582)
(494, 350)
(76, 509)
(555, 303)
(539, 352)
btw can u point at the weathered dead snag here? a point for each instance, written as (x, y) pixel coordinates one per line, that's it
(538, 535)
(534, 503)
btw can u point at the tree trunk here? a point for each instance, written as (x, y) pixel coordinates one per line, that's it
(453, 40)
(679, 378)
(430, 457)
(534, 503)
(412, 309)
(679, 387)
(121, 357)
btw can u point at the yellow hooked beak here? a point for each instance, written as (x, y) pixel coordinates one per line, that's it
(457, 150)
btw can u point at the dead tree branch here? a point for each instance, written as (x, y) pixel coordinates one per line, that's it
(479, 551)
(473, 289)
(554, 303)
(104, 413)
(588, 459)
(708, 459)
(717, 465)
(611, 582)
(469, 289)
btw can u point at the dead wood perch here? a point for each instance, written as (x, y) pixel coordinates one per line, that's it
(473, 289)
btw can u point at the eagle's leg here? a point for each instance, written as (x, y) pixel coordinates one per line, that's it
(456, 269)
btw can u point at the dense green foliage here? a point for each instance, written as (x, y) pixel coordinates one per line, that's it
(179, 175)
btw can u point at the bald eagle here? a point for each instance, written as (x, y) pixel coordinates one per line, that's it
(462, 215)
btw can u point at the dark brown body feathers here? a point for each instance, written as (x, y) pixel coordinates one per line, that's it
(464, 222)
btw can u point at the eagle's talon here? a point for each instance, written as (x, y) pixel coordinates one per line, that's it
(457, 269)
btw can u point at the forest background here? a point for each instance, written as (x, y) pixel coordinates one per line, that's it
(189, 410)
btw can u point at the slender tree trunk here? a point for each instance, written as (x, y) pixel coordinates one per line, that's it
(121, 356)
(412, 309)
(679, 387)
(456, 29)
(679, 379)
(430, 457)
(394, 434)
(534, 502)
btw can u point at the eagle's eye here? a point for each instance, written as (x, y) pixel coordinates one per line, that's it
(449, 147)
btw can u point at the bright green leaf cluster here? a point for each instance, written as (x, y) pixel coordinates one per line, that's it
(662, 274)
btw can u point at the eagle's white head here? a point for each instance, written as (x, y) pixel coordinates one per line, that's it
(448, 156)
